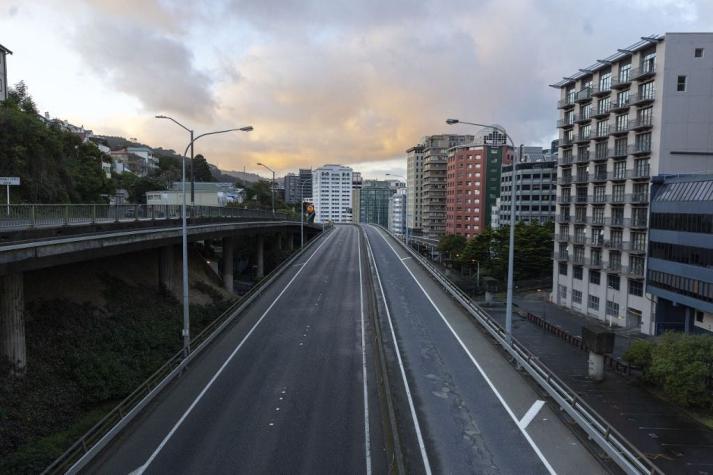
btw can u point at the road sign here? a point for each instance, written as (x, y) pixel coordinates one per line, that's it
(10, 180)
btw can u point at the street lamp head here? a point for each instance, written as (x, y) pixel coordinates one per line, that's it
(260, 164)
(246, 129)
(452, 121)
(161, 116)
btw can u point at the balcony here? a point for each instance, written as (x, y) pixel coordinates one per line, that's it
(579, 239)
(613, 266)
(599, 199)
(601, 153)
(619, 152)
(640, 172)
(580, 219)
(620, 82)
(566, 142)
(566, 160)
(639, 222)
(563, 256)
(584, 95)
(581, 178)
(638, 198)
(583, 137)
(645, 70)
(601, 132)
(596, 242)
(598, 177)
(617, 221)
(643, 148)
(562, 237)
(636, 248)
(564, 199)
(600, 91)
(564, 180)
(581, 199)
(564, 218)
(614, 244)
(620, 128)
(566, 103)
(636, 271)
(601, 112)
(617, 199)
(620, 106)
(582, 156)
(566, 122)
(596, 262)
(578, 260)
(597, 221)
(641, 123)
(584, 117)
(640, 99)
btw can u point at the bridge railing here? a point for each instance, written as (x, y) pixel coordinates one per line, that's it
(621, 450)
(20, 216)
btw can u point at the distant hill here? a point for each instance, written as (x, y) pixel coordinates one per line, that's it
(245, 177)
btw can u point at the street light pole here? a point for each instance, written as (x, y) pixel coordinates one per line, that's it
(511, 248)
(272, 185)
(186, 333)
(302, 213)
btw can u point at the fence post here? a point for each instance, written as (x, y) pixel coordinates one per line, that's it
(32, 216)
(94, 213)
(136, 212)
(66, 214)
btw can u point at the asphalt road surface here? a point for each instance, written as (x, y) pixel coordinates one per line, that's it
(282, 391)
(471, 411)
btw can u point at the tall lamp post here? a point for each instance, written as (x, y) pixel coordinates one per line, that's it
(272, 185)
(406, 204)
(184, 230)
(511, 249)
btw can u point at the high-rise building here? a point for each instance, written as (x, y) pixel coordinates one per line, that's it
(397, 212)
(357, 183)
(680, 257)
(433, 153)
(3, 72)
(414, 183)
(332, 193)
(374, 202)
(473, 183)
(536, 189)
(292, 188)
(305, 175)
(623, 119)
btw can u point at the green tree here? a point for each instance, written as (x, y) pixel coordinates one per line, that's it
(452, 244)
(201, 170)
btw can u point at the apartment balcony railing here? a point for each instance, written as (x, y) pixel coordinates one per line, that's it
(596, 242)
(638, 222)
(563, 256)
(564, 199)
(621, 81)
(641, 123)
(581, 199)
(566, 160)
(599, 91)
(620, 128)
(617, 175)
(581, 178)
(597, 177)
(645, 70)
(635, 247)
(579, 239)
(566, 122)
(566, 141)
(620, 105)
(640, 149)
(584, 95)
(564, 218)
(614, 244)
(642, 98)
(595, 263)
(578, 260)
(599, 199)
(601, 132)
(613, 266)
(582, 156)
(583, 117)
(583, 137)
(636, 271)
(567, 102)
(639, 172)
(618, 152)
(617, 199)
(601, 153)
(564, 180)
(597, 221)
(562, 237)
(618, 221)
(581, 219)
(600, 112)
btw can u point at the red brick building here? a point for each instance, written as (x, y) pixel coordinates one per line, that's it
(472, 186)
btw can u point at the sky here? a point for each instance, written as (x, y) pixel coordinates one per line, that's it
(354, 82)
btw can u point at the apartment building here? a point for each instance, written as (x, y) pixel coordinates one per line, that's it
(3, 72)
(433, 189)
(473, 185)
(397, 212)
(680, 253)
(414, 183)
(332, 193)
(374, 202)
(536, 189)
(644, 110)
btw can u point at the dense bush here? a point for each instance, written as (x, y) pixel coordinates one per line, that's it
(679, 364)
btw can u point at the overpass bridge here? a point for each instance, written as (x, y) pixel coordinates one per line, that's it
(354, 357)
(36, 237)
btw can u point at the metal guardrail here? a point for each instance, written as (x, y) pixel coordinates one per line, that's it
(96, 438)
(23, 216)
(623, 452)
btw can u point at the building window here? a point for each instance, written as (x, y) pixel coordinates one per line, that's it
(563, 268)
(594, 302)
(577, 272)
(698, 53)
(613, 281)
(576, 296)
(595, 277)
(681, 84)
(636, 287)
(563, 291)
(612, 308)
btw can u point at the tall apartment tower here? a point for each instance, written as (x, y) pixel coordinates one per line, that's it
(643, 111)
(414, 183)
(332, 193)
(305, 175)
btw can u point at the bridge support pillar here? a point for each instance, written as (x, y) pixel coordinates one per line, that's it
(260, 256)
(290, 242)
(228, 247)
(279, 241)
(166, 265)
(12, 321)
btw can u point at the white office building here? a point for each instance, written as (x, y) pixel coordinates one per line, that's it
(643, 111)
(332, 194)
(3, 72)
(397, 211)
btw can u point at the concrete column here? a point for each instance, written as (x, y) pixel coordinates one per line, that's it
(290, 242)
(166, 267)
(279, 241)
(12, 321)
(228, 248)
(595, 368)
(260, 252)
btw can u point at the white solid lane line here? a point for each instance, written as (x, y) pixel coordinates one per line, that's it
(367, 444)
(141, 469)
(473, 360)
(531, 413)
(417, 426)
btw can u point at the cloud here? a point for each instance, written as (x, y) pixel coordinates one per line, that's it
(146, 64)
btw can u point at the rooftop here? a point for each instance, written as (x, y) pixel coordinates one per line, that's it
(683, 188)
